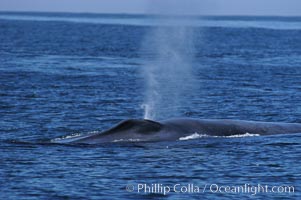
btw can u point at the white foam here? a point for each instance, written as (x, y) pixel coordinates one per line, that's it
(73, 136)
(193, 136)
(66, 137)
(242, 135)
(197, 135)
(128, 140)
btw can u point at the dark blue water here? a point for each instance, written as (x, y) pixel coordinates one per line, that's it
(62, 74)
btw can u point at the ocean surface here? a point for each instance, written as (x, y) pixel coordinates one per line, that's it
(63, 74)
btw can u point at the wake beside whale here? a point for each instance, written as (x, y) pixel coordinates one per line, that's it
(175, 129)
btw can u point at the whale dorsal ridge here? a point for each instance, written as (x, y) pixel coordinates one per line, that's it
(143, 125)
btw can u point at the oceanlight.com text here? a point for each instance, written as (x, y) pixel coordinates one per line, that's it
(251, 189)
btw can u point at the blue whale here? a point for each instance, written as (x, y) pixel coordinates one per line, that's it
(175, 129)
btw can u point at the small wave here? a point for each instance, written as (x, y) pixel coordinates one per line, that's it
(193, 136)
(66, 137)
(128, 140)
(197, 135)
(241, 135)
(73, 136)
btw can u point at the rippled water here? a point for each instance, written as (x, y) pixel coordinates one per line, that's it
(59, 77)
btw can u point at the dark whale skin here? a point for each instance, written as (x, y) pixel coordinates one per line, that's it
(173, 129)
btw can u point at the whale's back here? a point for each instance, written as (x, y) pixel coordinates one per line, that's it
(173, 129)
(136, 125)
(227, 127)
